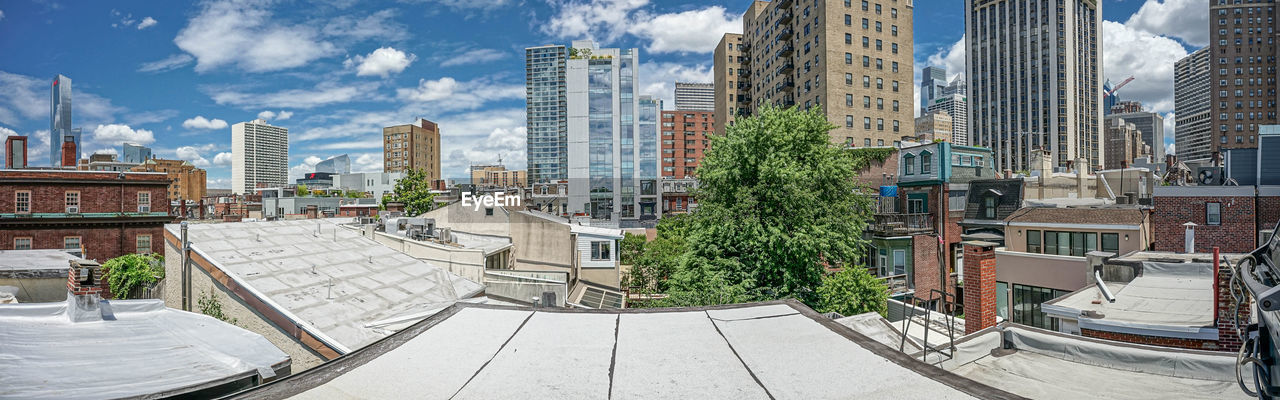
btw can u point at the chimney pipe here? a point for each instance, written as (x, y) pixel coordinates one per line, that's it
(1190, 237)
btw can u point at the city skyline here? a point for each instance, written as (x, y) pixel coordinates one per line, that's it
(335, 86)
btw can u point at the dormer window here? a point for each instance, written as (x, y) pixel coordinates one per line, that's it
(989, 207)
(926, 163)
(909, 164)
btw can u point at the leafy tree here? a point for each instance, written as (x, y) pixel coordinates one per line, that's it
(659, 259)
(131, 272)
(631, 247)
(776, 204)
(852, 291)
(302, 191)
(414, 190)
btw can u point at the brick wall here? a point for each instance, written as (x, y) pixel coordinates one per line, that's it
(102, 242)
(925, 265)
(1268, 212)
(1153, 340)
(979, 287)
(687, 143)
(94, 198)
(1228, 339)
(1237, 233)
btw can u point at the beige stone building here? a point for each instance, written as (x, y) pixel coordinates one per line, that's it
(933, 126)
(1123, 143)
(412, 146)
(853, 58)
(187, 181)
(498, 176)
(731, 79)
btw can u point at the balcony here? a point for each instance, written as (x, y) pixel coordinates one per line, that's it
(784, 85)
(744, 99)
(784, 34)
(782, 4)
(785, 17)
(901, 224)
(785, 51)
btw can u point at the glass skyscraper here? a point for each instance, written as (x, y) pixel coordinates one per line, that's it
(135, 154)
(60, 119)
(546, 113)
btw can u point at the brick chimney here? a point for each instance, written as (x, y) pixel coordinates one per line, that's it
(84, 278)
(68, 153)
(15, 152)
(979, 286)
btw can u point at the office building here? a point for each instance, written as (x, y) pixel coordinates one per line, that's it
(685, 140)
(613, 136)
(377, 184)
(498, 176)
(60, 129)
(1043, 94)
(1242, 39)
(1123, 142)
(956, 105)
(104, 162)
(546, 112)
(1109, 100)
(933, 81)
(186, 181)
(335, 165)
(135, 154)
(1150, 124)
(957, 86)
(934, 125)
(15, 152)
(1193, 135)
(731, 79)
(259, 156)
(412, 147)
(695, 96)
(854, 59)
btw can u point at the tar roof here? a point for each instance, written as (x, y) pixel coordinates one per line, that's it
(765, 350)
(1168, 300)
(336, 283)
(1078, 215)
(145, 350)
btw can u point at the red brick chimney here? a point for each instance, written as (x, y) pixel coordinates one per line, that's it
(201, 208)
(979, 286)
(15, 145)
(1224, 309)
(68, 154)
(84, 278)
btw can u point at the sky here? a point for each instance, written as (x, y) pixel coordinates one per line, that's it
(175, 75)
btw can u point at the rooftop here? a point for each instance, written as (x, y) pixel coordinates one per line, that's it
(749, 351)
(145, 349)
(39, 262)
(1078, 215)
(1167, 300)
(340, 286)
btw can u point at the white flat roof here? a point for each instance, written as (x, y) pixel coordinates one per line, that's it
(1168, 300)
(753, 351)
(34, 260)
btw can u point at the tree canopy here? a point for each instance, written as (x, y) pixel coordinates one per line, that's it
(414, 190)
(852, 291)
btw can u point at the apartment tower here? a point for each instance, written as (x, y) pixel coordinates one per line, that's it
(957, 106)
(1150, 124)
(695, 96)
(685, 140)
(1193, 138)
(259, 156)
(412, 147)
(732, 77)
(1033, 69)
(933, 81)
(546, 113)
(1243, 53)
(853, 58)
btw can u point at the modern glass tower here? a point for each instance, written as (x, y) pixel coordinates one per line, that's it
(546, 113)
(135, 154)
(60, 119)
(933, 81)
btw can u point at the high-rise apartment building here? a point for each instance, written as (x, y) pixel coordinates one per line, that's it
(934, 125)
(613, 136)
(685, 140)
(1243, 61)
(546, 113)
(259, 156)
(852, 58)
(695, 96)
(1124, 143)
(955, 105)
(336, 165)
(1033, 69)
(135, 154)
(412, 147)
(1193, 136)
(1149, 123)
(60, 121)
(933, 81)
(731, 80)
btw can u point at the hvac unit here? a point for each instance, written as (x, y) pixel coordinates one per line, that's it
(1264, 236)
(1209, 176)
(73, 209)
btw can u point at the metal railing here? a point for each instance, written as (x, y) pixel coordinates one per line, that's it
(902, 224)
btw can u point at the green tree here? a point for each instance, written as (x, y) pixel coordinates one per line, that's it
(630, 249)
(131, 272)
(852, 291)
(776, 204)
(414, 190)
(301, 190)
(659, 259)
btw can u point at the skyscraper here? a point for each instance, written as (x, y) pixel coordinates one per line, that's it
(695, 96)
(731, 77)
(1193, 138)
(1033, 71)
(336, 165)
(60, 120)
(1150, 124)
(135, 154)
(933, 81)
(613, 136)
(1242, 39)
(259, 155)
(957, 106)
(412, 147)
(545, 113)
(852, 58)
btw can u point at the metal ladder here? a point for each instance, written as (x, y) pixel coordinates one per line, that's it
(948, 307)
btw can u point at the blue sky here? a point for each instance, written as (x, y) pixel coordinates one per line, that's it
(175, 75)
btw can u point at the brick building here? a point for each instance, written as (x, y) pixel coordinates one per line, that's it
(103, 215)
(685, 136)
(1227, 217)
(188, 182)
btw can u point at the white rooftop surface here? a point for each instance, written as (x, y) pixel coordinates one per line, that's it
(147, 350)
(337, 283)
(1177, 300)
(756, 351)
(24, 260)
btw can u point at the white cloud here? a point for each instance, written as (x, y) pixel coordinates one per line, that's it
(321, 95)
(367, 162)
(371, 143)
(472, 56)
(167, 64)
(379, 25)
(38, 146)
(693, 31)
(283, 115)
(147, 23)
(199, 122)
(351, 123)
(241, 33)
(193, 155)
(276, 116)
(952, 58)
(596, 19)
(1, 14)
(447, 94)
(307, 166)
(22, 97)
(658, 79)
(467, 5)
(220, 183)
(381, 62)
(116, 134)
(6, 132)
(1186, 20)
(1148, 58)
(222, 159)
(123, 19)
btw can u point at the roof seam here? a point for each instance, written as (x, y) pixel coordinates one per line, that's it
(495, 355)
(739, 357)
(613, 359)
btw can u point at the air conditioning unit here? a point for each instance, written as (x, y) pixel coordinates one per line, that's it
(1210, 176)
(1264, 236)
(73, 209)
(144, 209)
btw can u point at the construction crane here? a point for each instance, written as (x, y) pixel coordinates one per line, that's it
(1113, 90)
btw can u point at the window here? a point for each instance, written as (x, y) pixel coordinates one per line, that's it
(488, 212)
(1213, 213)
(22, 202)
(73, 202)
(1111, 243)
(908, 164)
(144, 202)
(71, 243)
(989, 207)
(22, 243)
(143, 243)
(926, 163)
(1033, 242)
(600, 251)
(1026, 306)
(899, 262)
